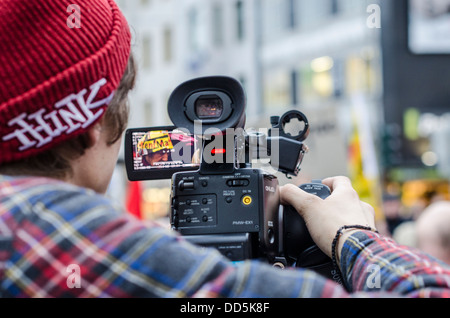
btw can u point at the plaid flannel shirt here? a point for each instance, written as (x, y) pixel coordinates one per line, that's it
(58, 240)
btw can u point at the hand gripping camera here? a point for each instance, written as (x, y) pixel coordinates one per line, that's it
(218, 199)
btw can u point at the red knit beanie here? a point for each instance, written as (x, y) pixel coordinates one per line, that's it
(59, 67)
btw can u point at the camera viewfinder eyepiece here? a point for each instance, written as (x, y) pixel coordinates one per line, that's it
(216, 102)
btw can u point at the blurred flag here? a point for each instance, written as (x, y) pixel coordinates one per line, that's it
(363, 167)
(134, 199)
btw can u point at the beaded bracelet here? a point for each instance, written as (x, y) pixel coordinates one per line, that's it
(334, 245)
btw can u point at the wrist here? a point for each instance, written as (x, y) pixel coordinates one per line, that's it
(341, 241)
(342, 235)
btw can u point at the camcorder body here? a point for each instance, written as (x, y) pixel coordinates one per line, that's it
(218, 198)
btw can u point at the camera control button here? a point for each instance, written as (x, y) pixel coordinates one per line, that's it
(247, 200)
(175, 219)
(174, 203)
(186, 185)
(238, 183)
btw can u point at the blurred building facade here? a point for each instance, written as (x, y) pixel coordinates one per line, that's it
(326, 58)
(303, 54)
(416, 99)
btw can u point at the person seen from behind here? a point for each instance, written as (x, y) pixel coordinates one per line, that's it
(63, 109)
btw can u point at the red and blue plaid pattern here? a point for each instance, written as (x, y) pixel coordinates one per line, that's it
(47, 227)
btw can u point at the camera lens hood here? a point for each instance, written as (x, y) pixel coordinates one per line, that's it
(182, 103)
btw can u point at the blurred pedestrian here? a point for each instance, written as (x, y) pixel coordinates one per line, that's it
(433, 230)
(392, 207)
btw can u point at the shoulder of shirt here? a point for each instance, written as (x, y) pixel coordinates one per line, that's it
(53, 194)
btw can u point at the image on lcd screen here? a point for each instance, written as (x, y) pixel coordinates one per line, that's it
(163, 149)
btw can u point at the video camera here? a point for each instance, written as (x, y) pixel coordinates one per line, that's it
(218, 198)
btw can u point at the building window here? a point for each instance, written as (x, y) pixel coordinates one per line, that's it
(193, 30)
(277, 88)
(218, 25)
(294, 88)
(240, 20)
(168, 45)
(316, 80)
(243, 82)
(334, 7)
(338, 75)
(322, 80)
(146, 52)
(291, 16)
(148, 110)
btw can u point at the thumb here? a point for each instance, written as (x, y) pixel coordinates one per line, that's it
(299, 199)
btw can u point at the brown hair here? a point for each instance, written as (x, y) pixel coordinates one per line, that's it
(55, 162)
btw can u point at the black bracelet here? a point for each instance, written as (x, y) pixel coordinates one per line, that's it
(338, 272)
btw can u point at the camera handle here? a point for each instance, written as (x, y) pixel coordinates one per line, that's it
(216, 161)
(299, 245)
